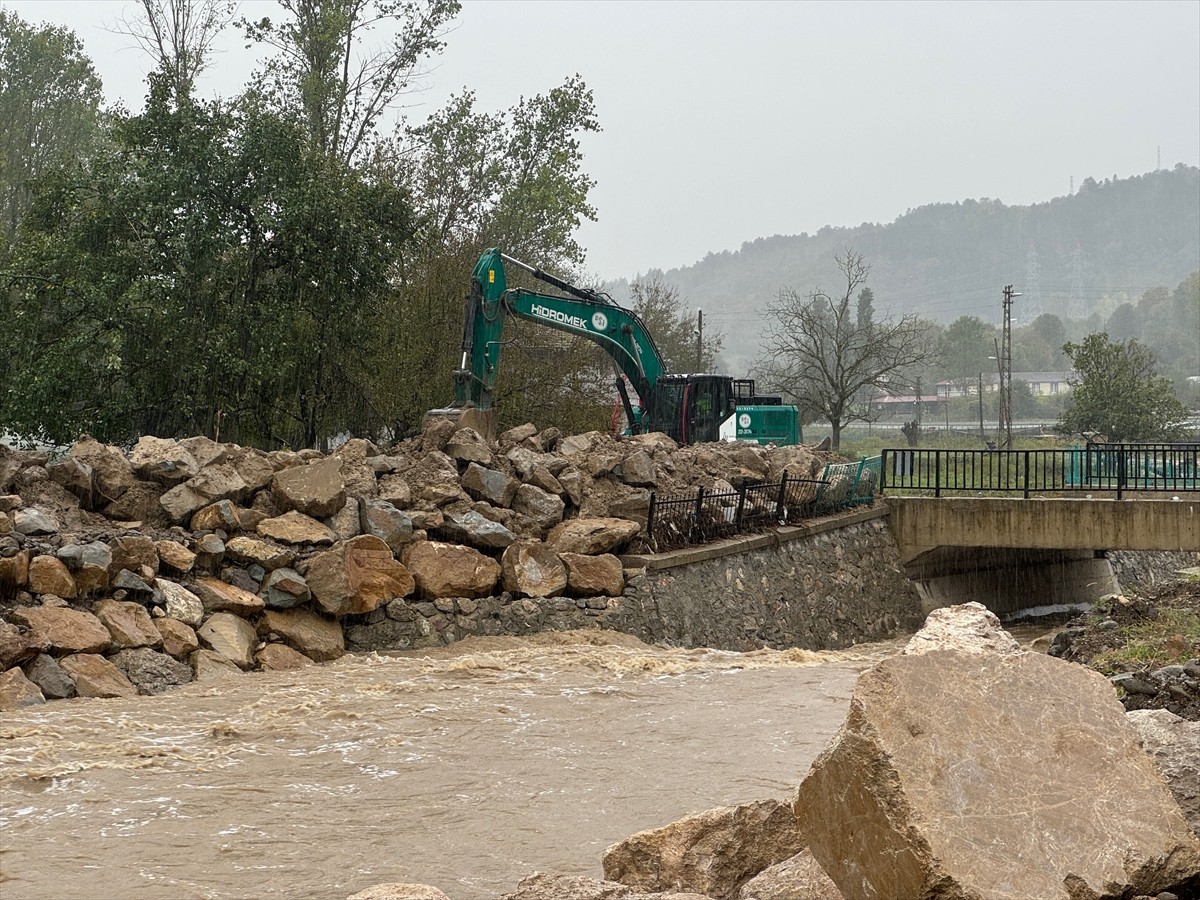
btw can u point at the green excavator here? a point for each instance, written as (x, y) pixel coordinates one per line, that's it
(691, 409)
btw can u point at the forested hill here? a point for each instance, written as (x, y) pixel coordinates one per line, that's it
(1078, 256)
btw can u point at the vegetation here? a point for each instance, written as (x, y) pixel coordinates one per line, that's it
(831, 357)
(1118, 394)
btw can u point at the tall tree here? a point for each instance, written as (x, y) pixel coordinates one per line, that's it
(965, 347)
(674, 328)
(821, 355)
(326, 73)
(49, 108)
(178, 35)
(1118, 394)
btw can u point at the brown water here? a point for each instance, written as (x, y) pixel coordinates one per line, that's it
(467, 768)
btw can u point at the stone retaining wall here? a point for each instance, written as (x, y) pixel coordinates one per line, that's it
(1139, 568)
(821, 586)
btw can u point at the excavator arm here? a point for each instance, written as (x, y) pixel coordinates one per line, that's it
(617, 331)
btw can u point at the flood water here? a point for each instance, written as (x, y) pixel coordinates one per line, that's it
(466, 768)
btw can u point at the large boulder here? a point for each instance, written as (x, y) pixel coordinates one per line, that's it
(231, 636)
(219, 596)
(316, 489)
(50, 575)
(180, 603)
(95, 676)
(64, 630)
(711, 853)
(1174, 745)
(128, 623)
(165, 461)
(399, 891)
(594, 576)
(532, 569)
(545, 886)
(357, 576)
(592, 536)
(999, 775)
(477, 530)
(543, 509)
(451, 570)
(178, 640)
(48, 675)
(112, 474)
(798, 878)
(152, 672)
(315, 636)
(18, 644)
(494, 487)
(296, 528)
(17, 691)
(218, 481)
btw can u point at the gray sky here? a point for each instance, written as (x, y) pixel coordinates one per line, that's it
(729, 121)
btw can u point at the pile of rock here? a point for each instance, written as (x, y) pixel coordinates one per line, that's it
(131, 572)
(966, 767)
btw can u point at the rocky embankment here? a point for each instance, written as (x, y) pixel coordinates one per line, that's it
(966, 767)
(179, 560)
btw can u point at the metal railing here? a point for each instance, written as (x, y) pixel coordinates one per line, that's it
(1118, 468)
(703, 516)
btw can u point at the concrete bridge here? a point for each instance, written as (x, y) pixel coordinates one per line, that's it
(1013, 553)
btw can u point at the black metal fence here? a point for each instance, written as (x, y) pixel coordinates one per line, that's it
(1117, 468)
(704, 516)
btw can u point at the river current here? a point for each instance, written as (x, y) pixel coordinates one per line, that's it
(466, 768)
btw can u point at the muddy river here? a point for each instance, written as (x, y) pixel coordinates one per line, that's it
(465, 768)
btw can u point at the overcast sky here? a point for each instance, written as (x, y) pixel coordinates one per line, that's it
(728, 121)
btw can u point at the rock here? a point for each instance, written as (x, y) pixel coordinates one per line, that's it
(18, 644)
(543, 886)
(798, 462)
(178, 640)
(165, 461)
(217, 596)
(532, 569)
(134, 586)
(77, 477)
(285, 589)
(637, 469)
(132, 552)
(399, 891)
(207, 665)
(231, 636)
(451, 570)
(494, 487)
(798, 878)
(17, 691)
(49, 575)
(357, 576)
(346, 523)
(518, 434)
(280, 658)
(219, 516)
(14, 572)
(181, 604)
(970, 627)
(476, 530)
(467, 445)
(1174, 745)
(711, 853)
(64, 630)
(572, 483)
(952, 764)
(48, 675)
(543, 509)
(210, 551)
(95, 676)
(112, 473)
(205, 450)
(175, 556)
(592, 536)
(128, 623)
(248, 551)
(316, 489)
(395, 490)
(32, 522)
(214, 482)
(594, 576)
(296, 528)
(150, 671)
(138, 504)
(254, 467)
(384, 521)
(317, 637)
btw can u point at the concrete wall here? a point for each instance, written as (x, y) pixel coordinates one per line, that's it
(822, 585)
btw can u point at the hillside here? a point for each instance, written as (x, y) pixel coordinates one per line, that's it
(1077, 256)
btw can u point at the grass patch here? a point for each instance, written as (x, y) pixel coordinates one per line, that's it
(1152, 643)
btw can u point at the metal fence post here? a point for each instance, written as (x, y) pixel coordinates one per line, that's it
(740, 507)
(937, 473)
(883, 458)
(650, 516)
(1120, 471)
(1026, 474)
(781, 501)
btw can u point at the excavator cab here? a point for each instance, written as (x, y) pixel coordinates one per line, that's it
(691, 408)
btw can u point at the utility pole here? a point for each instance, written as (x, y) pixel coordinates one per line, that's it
(699, 336)
(1004, 361)
(918, 402)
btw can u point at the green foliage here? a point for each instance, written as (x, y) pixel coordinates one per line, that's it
(207, 274)
(673, 327)
(964, 349)
(1118, 393)
(49, 101)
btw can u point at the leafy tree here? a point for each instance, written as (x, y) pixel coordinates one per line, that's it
(49, 102)
(323, 71)
(964, 349)
(662, 311)
(832, 358)
(1118, 393)
(178, 35)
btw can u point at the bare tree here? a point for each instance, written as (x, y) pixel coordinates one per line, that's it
(178, 35)
(831, 353)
